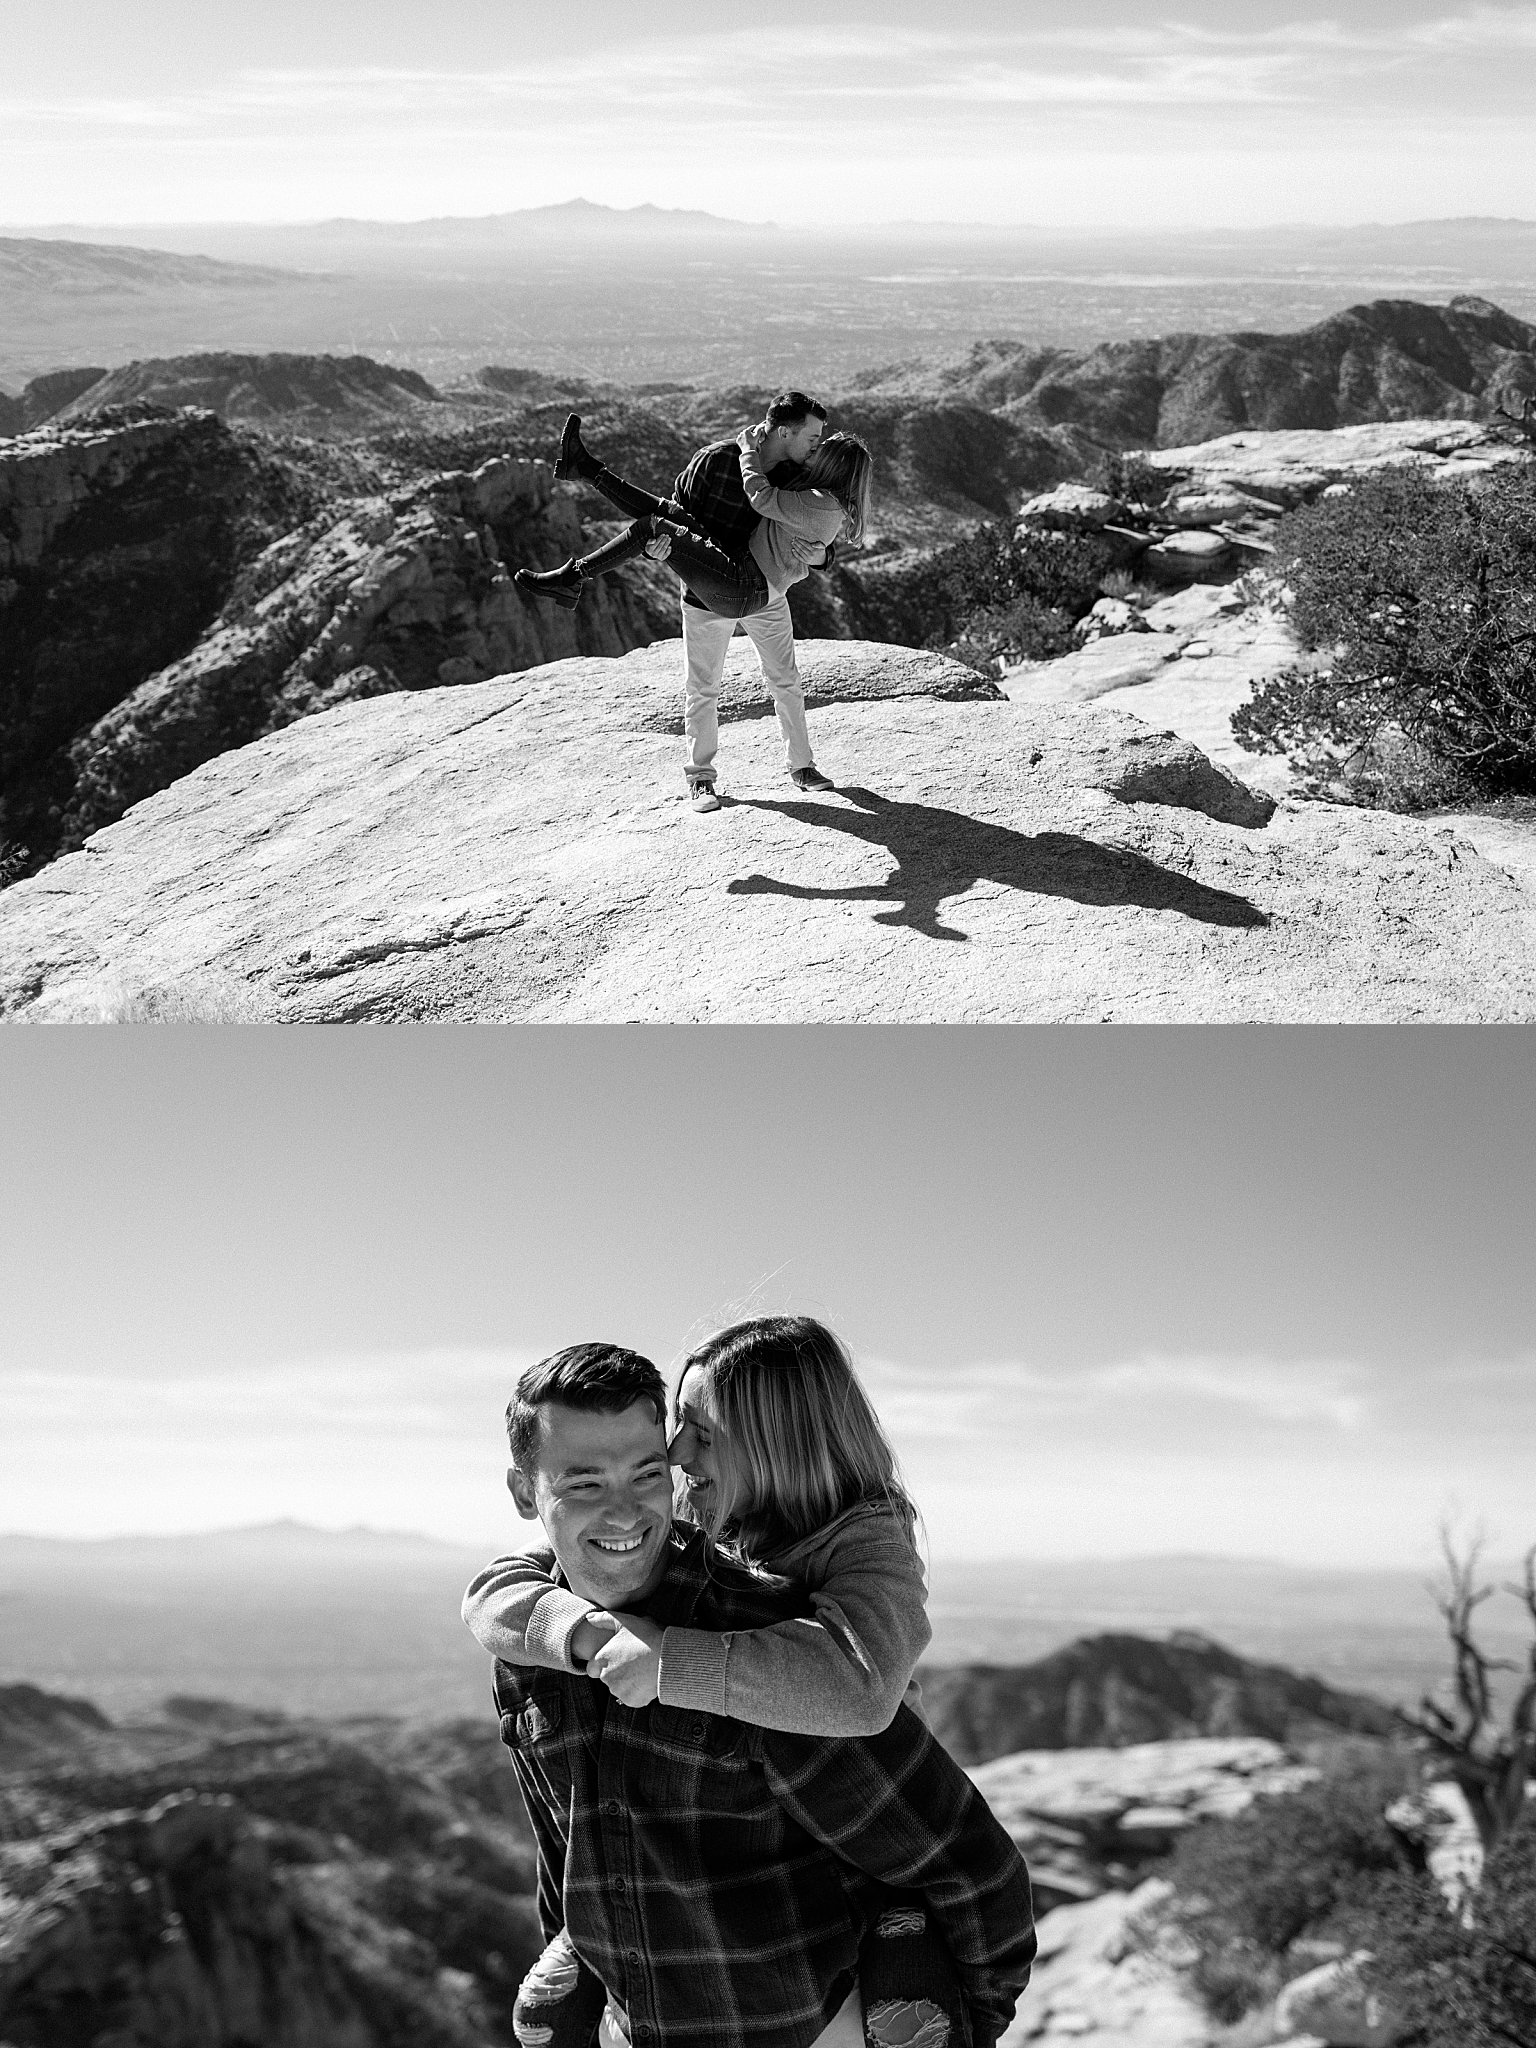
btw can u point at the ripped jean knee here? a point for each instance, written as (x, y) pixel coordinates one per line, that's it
(906, 2023)
(542, 1993)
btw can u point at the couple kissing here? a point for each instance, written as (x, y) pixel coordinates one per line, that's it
(746, 521)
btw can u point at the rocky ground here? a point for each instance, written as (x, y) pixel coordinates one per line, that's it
(521, 849)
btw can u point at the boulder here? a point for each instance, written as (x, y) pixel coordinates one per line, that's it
(1189, 557)
(1109, 616)
(1071, 508)
(521, 849)
(1333, 2004)
(1204, 508)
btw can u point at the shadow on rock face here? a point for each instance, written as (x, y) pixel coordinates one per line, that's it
(940, 854)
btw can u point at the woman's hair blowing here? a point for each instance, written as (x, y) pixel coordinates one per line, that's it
(842, 464)
(798, 1432)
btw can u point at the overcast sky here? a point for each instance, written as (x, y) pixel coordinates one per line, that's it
(1119, 112)
(1250, 1293)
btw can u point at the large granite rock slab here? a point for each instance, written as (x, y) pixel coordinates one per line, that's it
(521, 849)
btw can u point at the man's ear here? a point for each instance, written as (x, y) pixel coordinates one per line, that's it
(521, 1490)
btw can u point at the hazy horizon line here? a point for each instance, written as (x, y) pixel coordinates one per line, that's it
(648, 207)
(289, 1524)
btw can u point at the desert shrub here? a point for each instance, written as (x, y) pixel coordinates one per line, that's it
(1292, 1865)
(1135, 481)
(990, 596)
(1423, 596)
(1463, 1979)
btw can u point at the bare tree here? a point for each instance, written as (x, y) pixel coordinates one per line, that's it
(1491, 1763)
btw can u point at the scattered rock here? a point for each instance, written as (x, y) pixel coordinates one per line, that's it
(1192, 556)
(1204, 508)
(1110, 615)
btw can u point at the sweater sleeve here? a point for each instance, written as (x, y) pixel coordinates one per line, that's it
(515, 1610)
(843, 1670)
(814, 515)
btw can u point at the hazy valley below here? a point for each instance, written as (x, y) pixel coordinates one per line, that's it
(596, 294)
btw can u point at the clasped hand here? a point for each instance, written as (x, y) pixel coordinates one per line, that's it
(628, 1662)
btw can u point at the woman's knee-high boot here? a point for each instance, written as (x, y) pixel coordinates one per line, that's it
(566, 583)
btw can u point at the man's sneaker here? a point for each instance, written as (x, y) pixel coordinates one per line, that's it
(811, 778)
(702, 796)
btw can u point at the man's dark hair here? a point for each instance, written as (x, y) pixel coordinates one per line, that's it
(603, 1379)
(790, 407)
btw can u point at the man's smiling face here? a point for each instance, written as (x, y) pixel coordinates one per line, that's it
(603, 1490)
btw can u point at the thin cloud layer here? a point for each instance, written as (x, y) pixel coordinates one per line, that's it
(833, 121)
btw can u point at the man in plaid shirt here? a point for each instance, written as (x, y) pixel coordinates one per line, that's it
(703, 1883)
(710, 491)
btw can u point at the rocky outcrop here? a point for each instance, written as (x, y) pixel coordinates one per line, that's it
(171, 588)
(1119, 1689)
(301, 1886)
(520, 849)
(1090, 1819)
(326, 392)
(43, 397)
(119, 541)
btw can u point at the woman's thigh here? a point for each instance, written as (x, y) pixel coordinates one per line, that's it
(733, 589)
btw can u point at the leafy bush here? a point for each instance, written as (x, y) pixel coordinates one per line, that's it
(988, 597)
(1293, 1865)
(1424, 596)
(13, 863)
(1135, 481)
(1462, 1980)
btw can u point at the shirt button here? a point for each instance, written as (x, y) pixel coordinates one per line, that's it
(612, 1807)
(642, 2032)
(618, 1884)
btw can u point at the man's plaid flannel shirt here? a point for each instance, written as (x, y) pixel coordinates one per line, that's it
(711, 1874)
(710, 490)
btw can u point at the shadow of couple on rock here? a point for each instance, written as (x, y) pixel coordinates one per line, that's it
(941, 854)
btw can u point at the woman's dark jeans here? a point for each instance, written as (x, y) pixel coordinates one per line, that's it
(734, 589)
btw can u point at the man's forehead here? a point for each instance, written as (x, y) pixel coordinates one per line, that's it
(568, 1435)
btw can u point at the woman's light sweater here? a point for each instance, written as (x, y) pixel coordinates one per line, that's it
(844, 1670)
(794, 526)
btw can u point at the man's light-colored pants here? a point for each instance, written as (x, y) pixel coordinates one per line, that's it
(706, 636)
